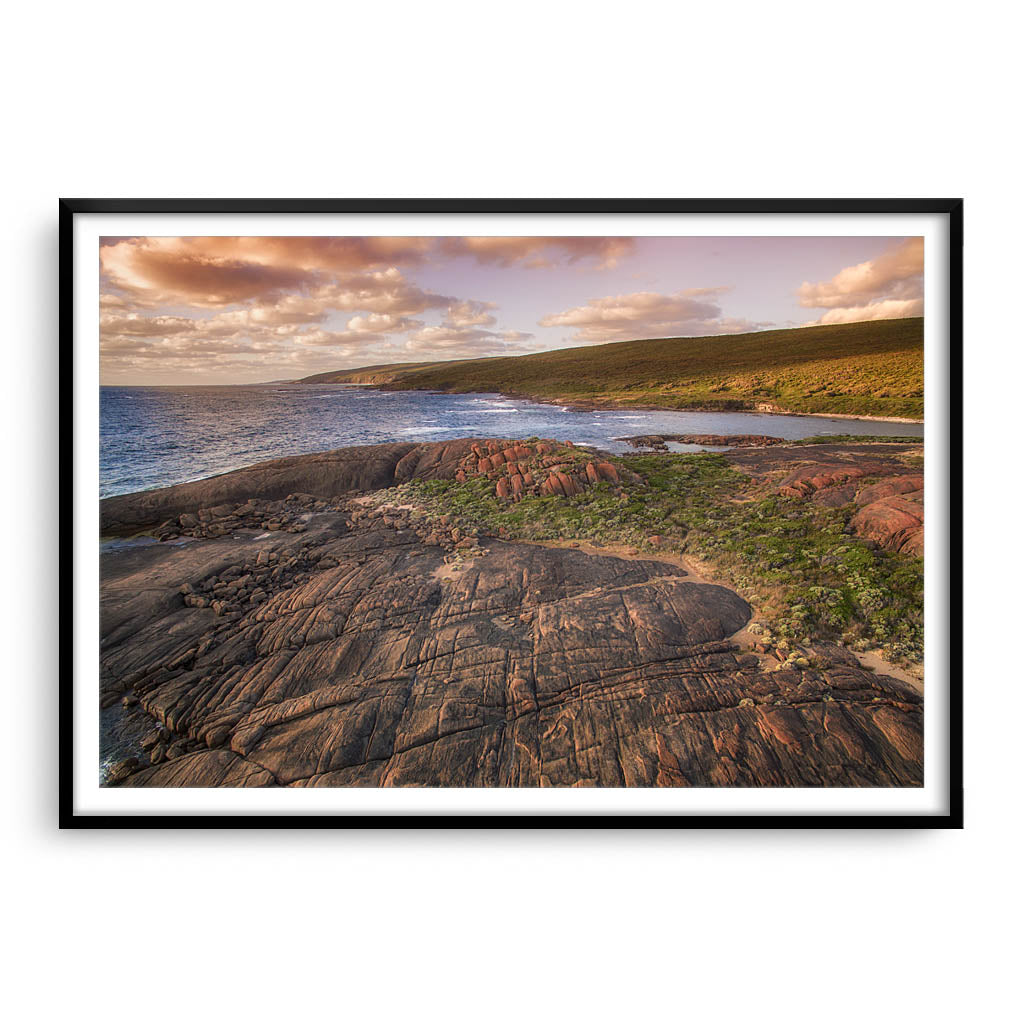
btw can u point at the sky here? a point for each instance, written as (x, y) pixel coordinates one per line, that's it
(235, 310)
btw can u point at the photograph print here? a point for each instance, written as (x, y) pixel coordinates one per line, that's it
(495, 511)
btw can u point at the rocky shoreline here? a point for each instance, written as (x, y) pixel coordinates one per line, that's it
(293, 624)
(660, 442)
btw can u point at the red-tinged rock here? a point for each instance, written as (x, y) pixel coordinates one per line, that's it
(784, 725)
(528, 480)
(516, 482)
(120, 771)
(484, 465)
(592, 474)
(246, 738)
(522, 697)
(569, 486)
(607, 471)
(806, 480)
(217, 735)
(656, 541)
(895, 523)
(501, 489)
(544, 448)
(523, 451)
(497, 459)
(556, 485)
(907, 484)
(460, 476)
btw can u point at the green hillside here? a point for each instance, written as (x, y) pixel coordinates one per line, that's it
(381, 373)
(873, 368)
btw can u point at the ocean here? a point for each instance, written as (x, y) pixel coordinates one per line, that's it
(157, 436)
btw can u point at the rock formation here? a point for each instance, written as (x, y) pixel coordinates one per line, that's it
(372, 648)
(322, 475)
(660, 441)
(890, 493)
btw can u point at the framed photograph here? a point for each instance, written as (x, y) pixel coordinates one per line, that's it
(521, 512)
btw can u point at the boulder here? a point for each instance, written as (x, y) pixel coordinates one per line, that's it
(895, 522)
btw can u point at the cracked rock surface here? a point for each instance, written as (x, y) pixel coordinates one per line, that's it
(356, 653)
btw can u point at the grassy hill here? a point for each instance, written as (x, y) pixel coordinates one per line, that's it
(381, 373)
(864, 369)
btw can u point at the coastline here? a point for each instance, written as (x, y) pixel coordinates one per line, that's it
(588, 404)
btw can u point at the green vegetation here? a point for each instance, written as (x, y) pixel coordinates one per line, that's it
(380, 373)
(792, 560)
(862, 369)
(857, 439)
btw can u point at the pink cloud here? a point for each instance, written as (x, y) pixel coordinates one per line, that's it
(685, 313)
(885, 309)
(885, 288)
(605, 252)
(455, 342)
(470, 314)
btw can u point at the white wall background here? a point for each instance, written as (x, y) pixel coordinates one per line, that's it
(532, 99)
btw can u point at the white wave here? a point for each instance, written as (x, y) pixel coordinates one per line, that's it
(496, 412)
(423, 430)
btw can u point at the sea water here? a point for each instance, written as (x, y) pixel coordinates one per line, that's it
(157, 436)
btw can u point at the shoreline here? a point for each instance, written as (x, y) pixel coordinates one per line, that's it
(586, 405)
(611, 405)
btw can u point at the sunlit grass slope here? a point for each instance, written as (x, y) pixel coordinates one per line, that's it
(874, 369)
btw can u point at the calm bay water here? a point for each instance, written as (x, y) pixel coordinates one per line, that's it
(153, 437)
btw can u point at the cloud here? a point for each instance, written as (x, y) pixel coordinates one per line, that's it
(686, 313)
(174, 305)
(382, 291)
(291, 331)
(218, 272)
(455, 342)
(470, 314)
(289, 309)
(886, 309)
(168, 270)
(890, 286)
(375, 328)
(539, 251)
(135, 326)
(214, 271)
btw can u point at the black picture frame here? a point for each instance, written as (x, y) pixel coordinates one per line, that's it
(952, 208)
